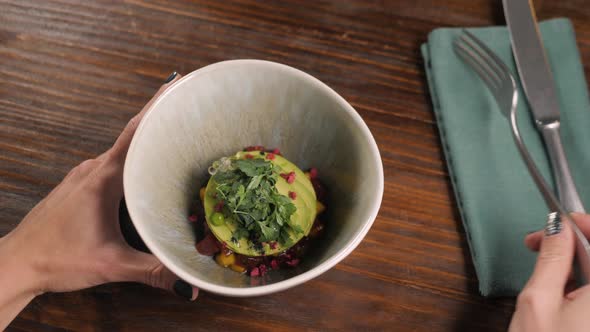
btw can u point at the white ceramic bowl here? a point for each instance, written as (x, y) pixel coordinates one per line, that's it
(218, 110)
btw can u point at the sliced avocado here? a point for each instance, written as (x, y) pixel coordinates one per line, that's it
(304, 216)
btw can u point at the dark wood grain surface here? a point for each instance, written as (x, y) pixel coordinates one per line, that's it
(73, 72)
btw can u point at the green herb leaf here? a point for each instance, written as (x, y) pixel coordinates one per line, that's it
(285, 238)
(254, 182)
(269, 233)
(251, 200)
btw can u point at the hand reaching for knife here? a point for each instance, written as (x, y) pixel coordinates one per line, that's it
(549, 300)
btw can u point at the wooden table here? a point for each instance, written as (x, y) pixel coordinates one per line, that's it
(73, 72)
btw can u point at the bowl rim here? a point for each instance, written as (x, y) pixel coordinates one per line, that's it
(300, 278)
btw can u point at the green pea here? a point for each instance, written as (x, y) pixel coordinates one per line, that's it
(217, 219)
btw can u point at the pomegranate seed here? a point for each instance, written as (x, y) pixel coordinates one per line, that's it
(270, 156)
(291, 177)
(292, 195)
(262, 269)
(276, 151)
(274, 264)
(313, 173)
(193, 218)
(293, 262)
(273, 244)
(248, 156)
(219, 206)
(255, 272)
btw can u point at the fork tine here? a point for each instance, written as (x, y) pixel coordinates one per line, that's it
(483, 57)
(498, 63)
(490, 68)
(473, 59)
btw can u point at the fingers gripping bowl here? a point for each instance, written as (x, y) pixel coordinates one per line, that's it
(218, 110)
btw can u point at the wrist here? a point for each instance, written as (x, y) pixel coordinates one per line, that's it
(20, 277)
(18, 280)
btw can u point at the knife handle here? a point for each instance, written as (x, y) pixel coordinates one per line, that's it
(566, 189)
(568, 195)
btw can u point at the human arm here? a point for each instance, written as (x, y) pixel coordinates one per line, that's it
(72, 240)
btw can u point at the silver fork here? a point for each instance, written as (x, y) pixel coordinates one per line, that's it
(497, 77)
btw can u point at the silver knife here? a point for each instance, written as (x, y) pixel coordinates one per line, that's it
(539, 87)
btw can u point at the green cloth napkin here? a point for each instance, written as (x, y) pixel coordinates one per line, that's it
(497, 198)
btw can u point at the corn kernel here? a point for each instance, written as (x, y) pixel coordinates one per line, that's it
(202, 193)
(225, 260)
(319, 207)
(237, 268)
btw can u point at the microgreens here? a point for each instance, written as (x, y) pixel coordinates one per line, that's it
(251, 200)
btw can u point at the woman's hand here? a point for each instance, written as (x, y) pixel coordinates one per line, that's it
(547, 303)
(72, 240)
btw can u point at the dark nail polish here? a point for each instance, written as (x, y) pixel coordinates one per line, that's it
(554, 225)
(171, 77)
(183, 289)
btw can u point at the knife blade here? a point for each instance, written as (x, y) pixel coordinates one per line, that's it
(539, 87)
(531, 61)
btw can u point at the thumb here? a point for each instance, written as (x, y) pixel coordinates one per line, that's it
(556, 255)
(533, 240)
(147, 269)
(119, 149)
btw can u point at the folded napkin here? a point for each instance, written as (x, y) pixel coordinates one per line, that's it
(498, 200)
